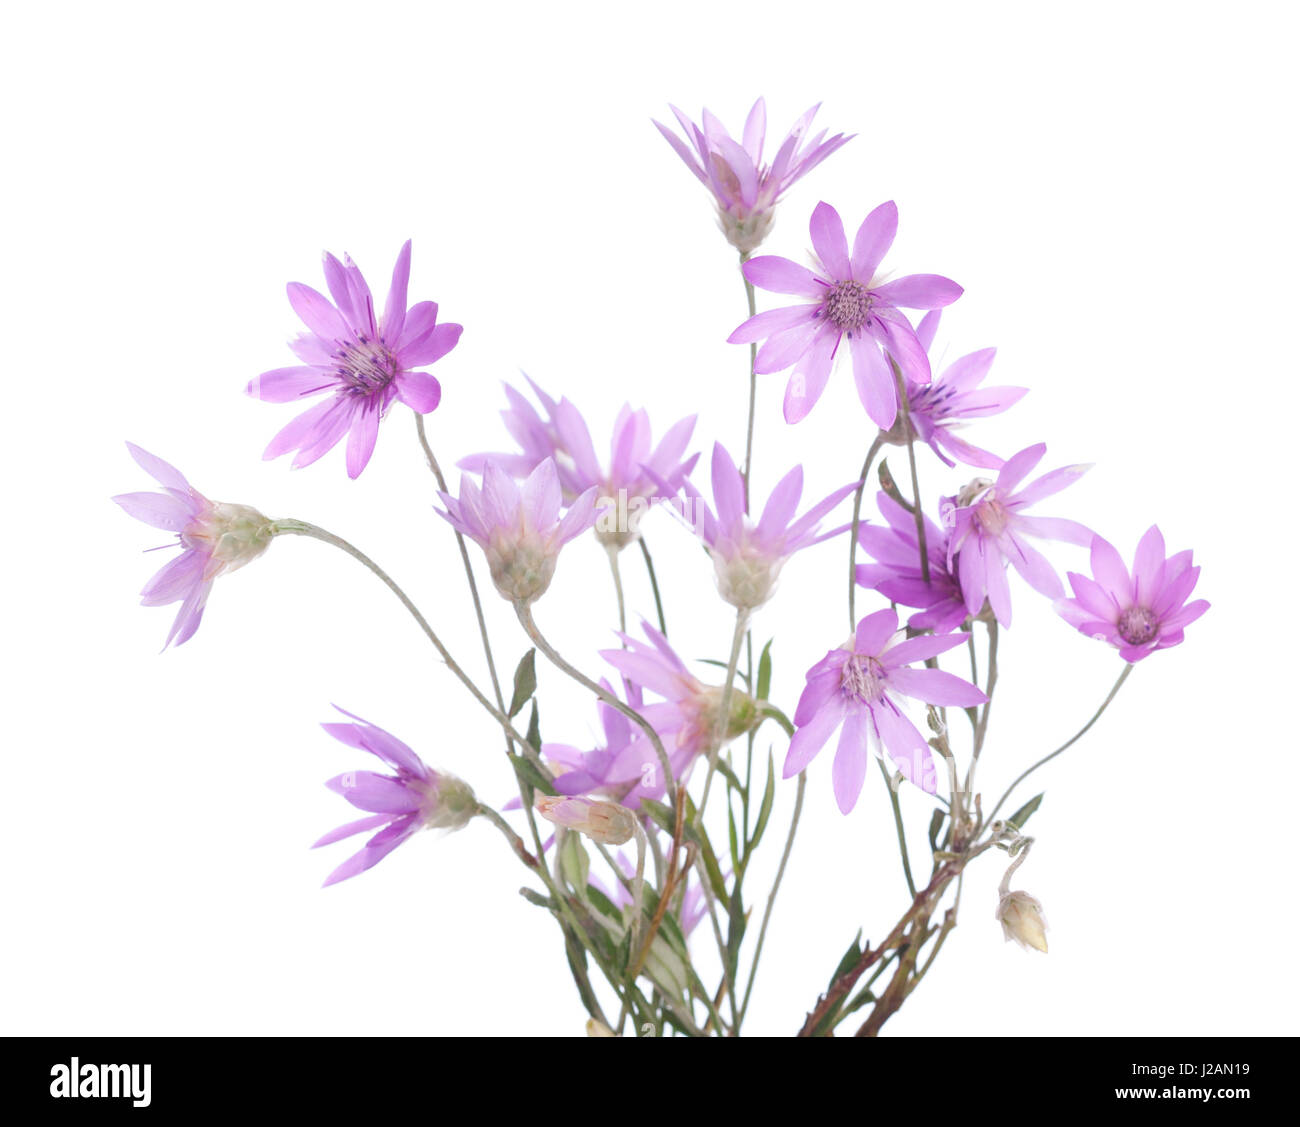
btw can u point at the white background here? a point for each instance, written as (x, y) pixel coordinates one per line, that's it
(1113, 185)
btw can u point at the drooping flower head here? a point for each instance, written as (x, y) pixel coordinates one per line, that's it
(1140, 611)
(745, 189)
(362, 358)
(519, 527)
(215, 538)
(1022, 919)
(990, 526)
(637, 467)
(846, 301)
(689, 717)
(852, 689)
(748, 555)
(415, 797)
(897, 575)
(937, 408)
(605, 822)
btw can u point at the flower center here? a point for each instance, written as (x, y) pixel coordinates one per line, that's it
(863, 678)
(1137, 626)
(992, 517)
(848, 306)
(365, 367)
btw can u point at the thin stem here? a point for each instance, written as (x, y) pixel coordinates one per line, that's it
(898, 825)
(654, 585)
(724, 711)
(516, 842)
(753, 386)
(918, 509)
(612, 551)
(876, 444)
(469, 570)
(771, 898)
(535, 636)
(1068, 743)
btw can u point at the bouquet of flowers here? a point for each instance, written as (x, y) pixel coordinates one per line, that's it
(644, 877)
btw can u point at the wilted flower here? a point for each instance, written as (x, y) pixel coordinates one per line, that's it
(854, 685)
(519, 527)
(605, 822)
(415, 798)
(363, 361)
(748, 555)
(897, 571)
(1021, 917)
(849, 302)
(744, 188)
(989, 528)
(1141, 612)
(216, 538)
(688, 719)
(637, 467)
(937, 408)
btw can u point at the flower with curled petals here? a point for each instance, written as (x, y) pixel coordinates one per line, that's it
(361, 359)
(1138, 611)
(415, 797)
(745, 189)
(845, 301)
(852, 690)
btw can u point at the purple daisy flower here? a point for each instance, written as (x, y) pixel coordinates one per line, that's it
(896, 574)
(637, 466)
(854, 686)
(744, 188)
(687, 719)
(1138, 612)
(989, 527)
(415, 798)
(935, 409)
(216, 538)
(519, 527)
(747, 555)
(848, 301)
(363, 362)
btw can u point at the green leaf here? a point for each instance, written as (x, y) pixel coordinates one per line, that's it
(733, 843)
(769, 710)
(850, 959)
(936, 824)
(531, 777)
(574, 863)
(765, 809)
(765, 670)
(1021, 816)
(534, 731)
(525, 682)
(660, 814)
(723, 666)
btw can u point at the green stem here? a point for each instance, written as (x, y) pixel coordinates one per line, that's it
(753, 386)
(724, 711)
(654, 585)
(1068, 743)
(876, 444)
(618, 587)
(898, 825)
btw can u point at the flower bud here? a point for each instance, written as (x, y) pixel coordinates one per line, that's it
(1021, 917)
(232, 535)
(521, 565)
(596, 1028)
(603, 822)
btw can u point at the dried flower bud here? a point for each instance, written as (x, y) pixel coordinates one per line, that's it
(597, 1028)
(1021, 917)
(603, 822)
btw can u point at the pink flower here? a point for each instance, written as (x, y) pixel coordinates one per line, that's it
(1138, 612)
(989, 527)
(688, 719)
(637, 466)
(937, 408)
(416, 797)
(852, 689)
(362, 361)
(518, 527)
(216, 538)
(848, 301)
(897, 571)
(745, 189)
(748, 555)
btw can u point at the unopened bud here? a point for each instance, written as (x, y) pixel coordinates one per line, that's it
(597, 1028)
(1022, 919)
(604, 822)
